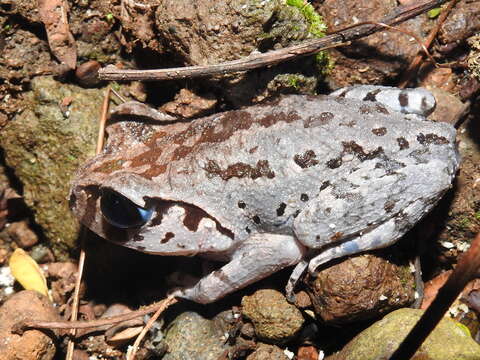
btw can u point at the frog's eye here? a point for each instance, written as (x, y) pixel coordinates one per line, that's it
(121, 212)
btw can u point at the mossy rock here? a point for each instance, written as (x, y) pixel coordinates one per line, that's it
(44, 144)
(449, 340)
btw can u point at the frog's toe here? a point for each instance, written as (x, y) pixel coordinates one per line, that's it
(295, 277)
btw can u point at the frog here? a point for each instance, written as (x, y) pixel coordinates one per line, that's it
(295, 181)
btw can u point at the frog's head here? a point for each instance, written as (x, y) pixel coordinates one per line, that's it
(121, 193)
(125, 208)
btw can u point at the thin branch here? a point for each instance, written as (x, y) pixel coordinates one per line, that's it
(413, 67)
(103, 121)
(22, 326)
(81, 260)
(133, 352)
(311, 47)
(465, 271)
(76, 294)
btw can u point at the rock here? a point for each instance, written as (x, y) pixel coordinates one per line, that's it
(359, 288)
(62, 278)
(45, 144)
(206, 33)
(267, 352)
(307, 353)
(87, 74)
(33, 344)
(448, 341)
(373, 59)
(21, 233)
(190, 336)
(274, 319)
(449, 108)
(189, 105)
(462, 22)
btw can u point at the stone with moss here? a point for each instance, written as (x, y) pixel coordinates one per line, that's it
(44, 144)
(449, 340)
(206, 33)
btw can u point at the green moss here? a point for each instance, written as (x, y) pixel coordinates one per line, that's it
(432, 14)
(464, 223)
(317, 28)
(109, 17)
(45, 146)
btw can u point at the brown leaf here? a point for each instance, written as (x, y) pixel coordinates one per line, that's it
(62, 44)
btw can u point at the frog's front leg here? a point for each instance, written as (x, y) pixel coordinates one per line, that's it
(258, 257)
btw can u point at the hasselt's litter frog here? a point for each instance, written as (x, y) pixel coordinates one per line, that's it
(297, 181)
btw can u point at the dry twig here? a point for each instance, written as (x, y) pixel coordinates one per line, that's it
(133, 352)
(339, 38)
(413, 67)
(22, 326)
(81, 260)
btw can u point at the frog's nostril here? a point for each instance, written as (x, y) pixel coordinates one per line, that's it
(121, 212)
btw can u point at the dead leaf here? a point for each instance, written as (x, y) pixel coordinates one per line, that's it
(53, 14)
(27, 272)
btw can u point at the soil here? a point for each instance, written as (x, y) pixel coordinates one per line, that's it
(50, 100)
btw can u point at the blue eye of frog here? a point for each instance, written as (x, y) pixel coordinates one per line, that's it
(122, 212)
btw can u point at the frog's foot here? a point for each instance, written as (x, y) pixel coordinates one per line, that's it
(418, 101)
(257, 258)
(380, 237)
(295, 277)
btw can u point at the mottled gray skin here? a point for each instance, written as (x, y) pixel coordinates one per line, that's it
(265, 187)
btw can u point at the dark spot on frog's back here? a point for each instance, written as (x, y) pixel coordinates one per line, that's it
(432, 139)
(389, 205)
(324, 185)
(380, 131)
(381, 109)
(372, 95)
(169, 235)
(351, 147)
(305, 160)
(403, 98)
(334, 163)
(281, 209)
(240, 170)
(275, 117)
(403, 143)
(314, 121)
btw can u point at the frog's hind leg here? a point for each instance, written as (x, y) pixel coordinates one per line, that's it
(377, 238)
(258, 257)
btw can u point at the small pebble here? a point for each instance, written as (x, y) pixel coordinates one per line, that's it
(87, 73)
(275, 320)
(21, 233)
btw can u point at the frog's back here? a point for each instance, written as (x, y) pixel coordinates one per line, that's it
(257, 168)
